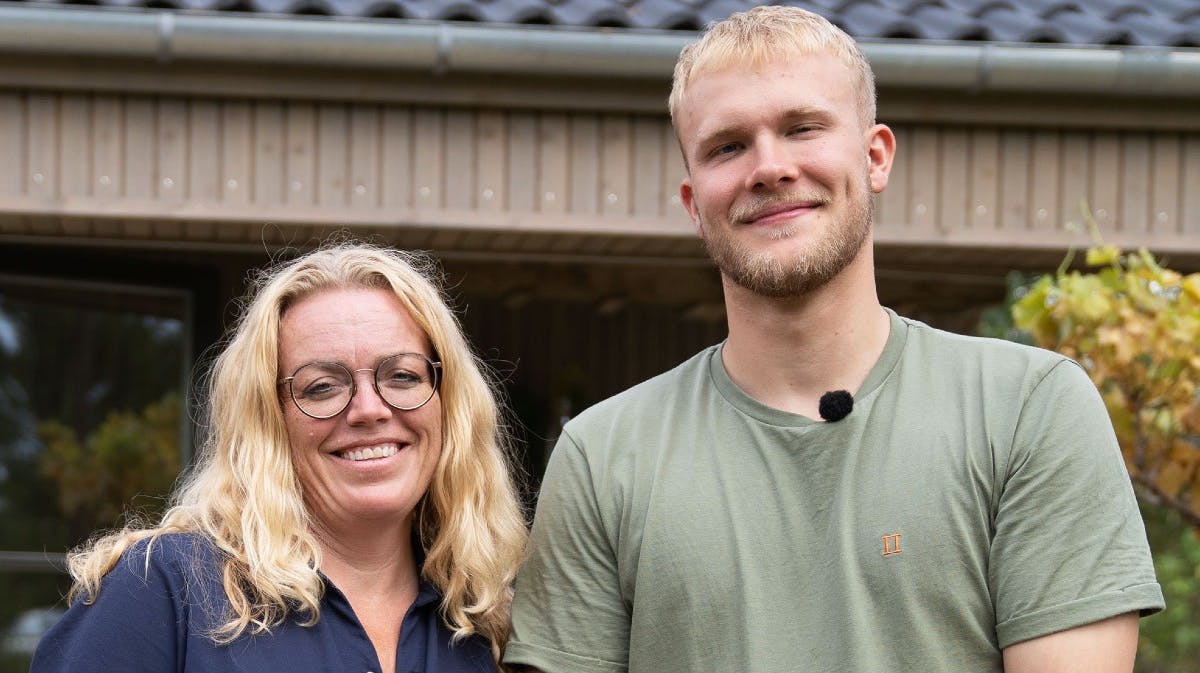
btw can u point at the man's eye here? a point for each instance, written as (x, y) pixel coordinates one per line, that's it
(727, 148)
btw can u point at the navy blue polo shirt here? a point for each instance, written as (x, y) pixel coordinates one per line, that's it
(156, 615)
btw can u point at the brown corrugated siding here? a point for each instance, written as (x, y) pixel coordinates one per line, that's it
(180, 169)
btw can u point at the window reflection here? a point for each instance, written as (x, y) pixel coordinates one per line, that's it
(92, 424)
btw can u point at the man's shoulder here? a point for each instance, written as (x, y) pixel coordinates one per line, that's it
(965, 352)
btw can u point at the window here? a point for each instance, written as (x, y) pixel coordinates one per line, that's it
(93, 428)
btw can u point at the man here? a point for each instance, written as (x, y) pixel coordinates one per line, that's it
(970, 513)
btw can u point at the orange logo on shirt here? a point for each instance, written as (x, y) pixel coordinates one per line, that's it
(891, 544)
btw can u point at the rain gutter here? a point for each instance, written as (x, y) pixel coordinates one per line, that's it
(442, 48)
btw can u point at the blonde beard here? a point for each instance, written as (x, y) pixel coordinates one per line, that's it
(770, 276)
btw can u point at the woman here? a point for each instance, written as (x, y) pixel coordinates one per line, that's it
(350, 509)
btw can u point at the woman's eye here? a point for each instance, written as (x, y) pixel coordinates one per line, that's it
(321, 390)
(402, 379)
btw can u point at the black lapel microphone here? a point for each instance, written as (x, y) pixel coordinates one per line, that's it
(835, 405)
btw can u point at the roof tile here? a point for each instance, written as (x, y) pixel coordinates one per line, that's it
(1170, 23)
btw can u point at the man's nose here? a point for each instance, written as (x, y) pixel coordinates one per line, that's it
(773, 165)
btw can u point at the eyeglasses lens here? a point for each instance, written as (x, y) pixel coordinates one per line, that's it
(405, 381)
(322, 389)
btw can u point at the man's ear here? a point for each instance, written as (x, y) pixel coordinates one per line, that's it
(881, 150)
(688, 198)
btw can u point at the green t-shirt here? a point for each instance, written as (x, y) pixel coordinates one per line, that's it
(974, 498)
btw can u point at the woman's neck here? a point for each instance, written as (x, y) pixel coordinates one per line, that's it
(380, 562)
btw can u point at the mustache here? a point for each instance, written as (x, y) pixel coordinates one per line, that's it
(761, 205)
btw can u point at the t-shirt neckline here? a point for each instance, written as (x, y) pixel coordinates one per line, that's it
(883, 367)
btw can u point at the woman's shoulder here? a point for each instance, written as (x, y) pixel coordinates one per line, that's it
(168, 554)
(143, 610)
(175, 568)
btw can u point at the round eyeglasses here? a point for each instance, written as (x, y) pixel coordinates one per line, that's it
(405, 381)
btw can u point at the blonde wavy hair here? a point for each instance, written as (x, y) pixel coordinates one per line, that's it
(244, 495)
(763, 35)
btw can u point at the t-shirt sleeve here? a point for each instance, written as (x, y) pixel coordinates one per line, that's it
(134, 625)
(1069, 547)
(568, 612)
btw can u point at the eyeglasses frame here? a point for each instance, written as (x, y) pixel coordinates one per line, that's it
(435, 366)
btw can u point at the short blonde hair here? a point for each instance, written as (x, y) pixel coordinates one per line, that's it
(244, 495)
(764, 34)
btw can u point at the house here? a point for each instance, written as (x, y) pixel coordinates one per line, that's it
(154, 151)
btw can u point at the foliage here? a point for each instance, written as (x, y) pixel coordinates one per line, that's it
(1134, 325)
(997, 321)
(1170, 641)
(128, 455)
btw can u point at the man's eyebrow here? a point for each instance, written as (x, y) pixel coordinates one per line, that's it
(719, 134)
(807, 112)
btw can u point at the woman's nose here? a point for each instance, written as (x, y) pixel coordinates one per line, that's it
(366, 406)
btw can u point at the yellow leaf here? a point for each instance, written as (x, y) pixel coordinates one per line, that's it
(1102, 255)
(1191, 286)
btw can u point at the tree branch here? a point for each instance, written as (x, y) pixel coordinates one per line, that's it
(1150, 492)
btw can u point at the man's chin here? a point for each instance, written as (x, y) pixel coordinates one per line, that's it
(770, 277)
(789, 286)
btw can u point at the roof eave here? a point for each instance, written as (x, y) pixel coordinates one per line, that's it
(440, 48)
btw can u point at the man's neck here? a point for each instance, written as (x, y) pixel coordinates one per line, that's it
(786, 353)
